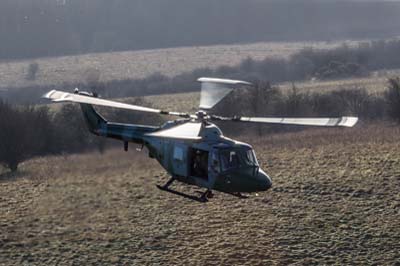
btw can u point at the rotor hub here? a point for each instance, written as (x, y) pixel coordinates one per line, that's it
(202, 115)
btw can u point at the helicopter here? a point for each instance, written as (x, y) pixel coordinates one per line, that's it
(192, 149)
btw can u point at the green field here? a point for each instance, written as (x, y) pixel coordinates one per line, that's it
(334, 201)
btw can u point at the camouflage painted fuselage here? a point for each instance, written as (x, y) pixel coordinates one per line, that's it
(176, 156)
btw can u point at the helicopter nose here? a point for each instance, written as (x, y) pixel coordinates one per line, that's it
(264, 180)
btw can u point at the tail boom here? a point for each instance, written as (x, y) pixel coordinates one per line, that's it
(125, 132)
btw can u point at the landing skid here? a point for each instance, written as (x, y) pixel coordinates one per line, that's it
(202, 198)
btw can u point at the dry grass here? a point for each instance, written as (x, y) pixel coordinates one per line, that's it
(374, 84)
(139, 64)
(335, 200)
(185, 102)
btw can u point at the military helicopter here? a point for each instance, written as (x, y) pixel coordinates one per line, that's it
(192, 149)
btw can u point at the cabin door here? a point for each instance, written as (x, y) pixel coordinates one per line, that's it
(214, 168)
(199, 164)
(180, 159)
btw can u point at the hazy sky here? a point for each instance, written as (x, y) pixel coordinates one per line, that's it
(45, 28)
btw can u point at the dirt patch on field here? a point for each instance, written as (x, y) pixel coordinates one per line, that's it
(334, 200)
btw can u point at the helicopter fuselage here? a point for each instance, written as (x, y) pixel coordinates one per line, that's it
(214, 162)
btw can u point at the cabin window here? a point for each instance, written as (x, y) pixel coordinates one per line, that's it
(178, 153)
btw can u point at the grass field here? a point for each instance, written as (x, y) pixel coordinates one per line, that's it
(139, 64)
(334, 201)
(374, 84)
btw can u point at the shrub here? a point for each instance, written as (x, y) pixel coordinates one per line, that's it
(335, 70)
(24, 133)
(70, 127)
(297, 104)
(392, 96)
(353, 101)
(33, 69)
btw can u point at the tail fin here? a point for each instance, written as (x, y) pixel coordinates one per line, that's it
(100, 126)
(95, 122)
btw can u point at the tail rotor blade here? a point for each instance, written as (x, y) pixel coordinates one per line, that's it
(213, 90)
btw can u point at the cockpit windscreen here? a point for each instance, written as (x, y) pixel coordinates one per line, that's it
(236, 158)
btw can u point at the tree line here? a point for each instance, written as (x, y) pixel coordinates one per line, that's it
(60, 27)
(26, 132)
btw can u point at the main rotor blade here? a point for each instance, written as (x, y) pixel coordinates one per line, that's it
(60, 96)
(345, 121)
(186, 131)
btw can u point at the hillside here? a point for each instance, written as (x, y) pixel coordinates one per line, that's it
(334, 200)
(140, 64)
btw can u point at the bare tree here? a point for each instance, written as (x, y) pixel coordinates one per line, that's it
(24, 132)
(33, 69)
(392, 96)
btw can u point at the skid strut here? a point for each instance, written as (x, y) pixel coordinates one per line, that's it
(203, 197)
(169, 182)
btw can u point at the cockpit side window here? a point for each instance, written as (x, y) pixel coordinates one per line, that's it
(229, 159)
(215, 165)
